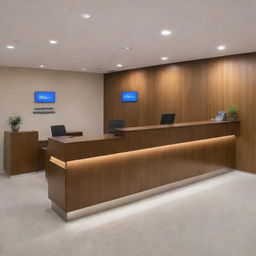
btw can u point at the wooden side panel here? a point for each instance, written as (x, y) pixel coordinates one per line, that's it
(100, 179)
(57, 148)
(56, 184)
(43, 152)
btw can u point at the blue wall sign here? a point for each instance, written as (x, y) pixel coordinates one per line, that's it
(44, 97)
(129, 96)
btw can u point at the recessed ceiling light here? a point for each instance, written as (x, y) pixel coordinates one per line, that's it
(127, 48)
(10, 47)
(83, 69)
(221, 47)
(164, 58)
(165, 32)
(119, 65)
(53, 41)
(85, 15)
(41, 66)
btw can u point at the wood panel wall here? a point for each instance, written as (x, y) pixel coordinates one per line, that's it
(195, 91)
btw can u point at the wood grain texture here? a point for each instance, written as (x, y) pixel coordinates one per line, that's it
(21, 152)
(68, 149)
(43, 153)
(57, 184)
(95, 180)
(194, 90)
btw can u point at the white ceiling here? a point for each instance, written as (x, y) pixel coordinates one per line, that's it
(198, 27)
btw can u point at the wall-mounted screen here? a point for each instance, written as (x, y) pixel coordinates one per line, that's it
(44, 97)
(129, 96)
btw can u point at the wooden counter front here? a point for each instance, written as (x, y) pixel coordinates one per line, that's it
(85, 171)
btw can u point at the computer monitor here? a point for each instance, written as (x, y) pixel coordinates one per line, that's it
(167, 118)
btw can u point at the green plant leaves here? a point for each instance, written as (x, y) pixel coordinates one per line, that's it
(14, 120)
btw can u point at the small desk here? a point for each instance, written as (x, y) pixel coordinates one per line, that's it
(23, 152)
(20, 152)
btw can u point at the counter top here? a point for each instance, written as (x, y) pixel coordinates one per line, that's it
(175, 125)
(136, 138)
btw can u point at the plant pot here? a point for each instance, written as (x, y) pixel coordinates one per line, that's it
(15, 128)
(232, 118)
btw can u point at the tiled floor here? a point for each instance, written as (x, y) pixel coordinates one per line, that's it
(212, 217)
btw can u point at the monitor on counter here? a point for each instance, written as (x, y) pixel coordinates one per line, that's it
(129, 96)
(44, 97)
(167, 118)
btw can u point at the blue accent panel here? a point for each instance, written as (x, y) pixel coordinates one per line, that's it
(44, 97)
(129, 96)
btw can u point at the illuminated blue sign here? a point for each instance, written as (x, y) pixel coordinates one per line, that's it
(129, 96)
(44, 97)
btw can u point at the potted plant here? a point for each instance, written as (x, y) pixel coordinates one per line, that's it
(233, 111)
(15, 122)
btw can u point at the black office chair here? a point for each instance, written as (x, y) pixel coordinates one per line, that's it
(114, 124)
(58, 130)
(167, 118)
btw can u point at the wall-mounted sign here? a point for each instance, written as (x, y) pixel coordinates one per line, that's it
(129, 96)
(44, 111)
(44, 97)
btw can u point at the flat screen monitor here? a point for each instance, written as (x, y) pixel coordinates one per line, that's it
(167, 118)
(129, 96)
(44, 97)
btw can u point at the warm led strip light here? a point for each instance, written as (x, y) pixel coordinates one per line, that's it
(58, 162)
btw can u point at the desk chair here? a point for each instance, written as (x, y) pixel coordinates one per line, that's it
(115, 124)
(58, 130)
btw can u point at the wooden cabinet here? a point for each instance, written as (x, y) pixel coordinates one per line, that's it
(21, 152)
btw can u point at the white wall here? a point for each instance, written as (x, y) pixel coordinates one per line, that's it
(79, 100)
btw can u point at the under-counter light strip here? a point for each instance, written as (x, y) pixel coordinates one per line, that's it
(58, 162)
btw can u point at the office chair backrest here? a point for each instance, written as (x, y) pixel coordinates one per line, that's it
(114, 124)
(167, 118)
(58, 130)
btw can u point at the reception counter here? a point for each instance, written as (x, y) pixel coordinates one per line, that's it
(85, 171)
